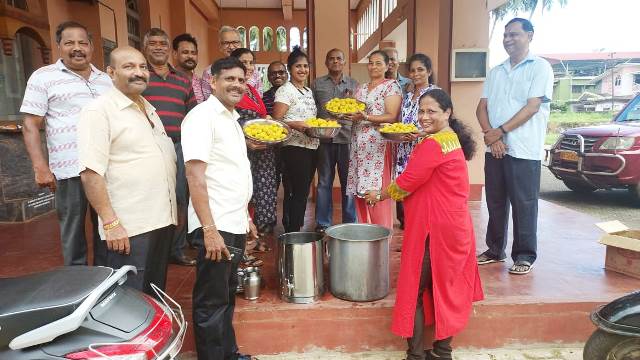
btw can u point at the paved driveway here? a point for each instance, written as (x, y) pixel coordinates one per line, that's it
(601, 204)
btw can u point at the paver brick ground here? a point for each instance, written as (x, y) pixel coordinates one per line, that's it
(538, 353)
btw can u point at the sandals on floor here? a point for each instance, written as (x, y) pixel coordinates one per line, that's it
(259, 247)
(521, 267)
(249, 260)
(484, 259)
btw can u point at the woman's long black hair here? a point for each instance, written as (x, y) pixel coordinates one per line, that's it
(426, 62)
(241, 51)
(464, 134)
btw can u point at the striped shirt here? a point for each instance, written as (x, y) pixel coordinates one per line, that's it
(58, 94)
(172, 97)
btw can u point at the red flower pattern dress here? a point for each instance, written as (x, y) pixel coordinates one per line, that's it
(368, 148)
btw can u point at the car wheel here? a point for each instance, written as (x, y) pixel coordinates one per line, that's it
(605, 346)
(579, 187)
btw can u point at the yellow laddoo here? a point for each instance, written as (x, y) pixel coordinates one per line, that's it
(266, 132)
(344, 106)
(398, 128)
(316, 122)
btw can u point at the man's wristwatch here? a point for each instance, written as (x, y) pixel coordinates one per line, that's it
(502, 129)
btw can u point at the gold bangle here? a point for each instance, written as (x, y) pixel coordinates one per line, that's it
(112, 225)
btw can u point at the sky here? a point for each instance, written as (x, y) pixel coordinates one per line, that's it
(581, 26)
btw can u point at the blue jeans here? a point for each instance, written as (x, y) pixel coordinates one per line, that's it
(330, 155)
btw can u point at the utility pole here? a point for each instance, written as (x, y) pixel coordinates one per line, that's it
(613, 84)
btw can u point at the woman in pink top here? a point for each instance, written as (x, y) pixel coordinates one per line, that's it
(370, 164)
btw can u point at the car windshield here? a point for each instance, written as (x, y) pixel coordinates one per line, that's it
(631, 112)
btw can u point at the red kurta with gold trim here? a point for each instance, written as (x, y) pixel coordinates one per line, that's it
(435, 187)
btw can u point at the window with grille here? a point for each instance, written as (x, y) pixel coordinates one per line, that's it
(18, 4)
(281, 39)
(294, 38)
(254, 38)
(243, 35)
(267, 38)
(133, 24)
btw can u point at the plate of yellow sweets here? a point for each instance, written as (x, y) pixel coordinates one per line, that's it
(322, 129)
(266, 132)
(339, 107)
(397, 132)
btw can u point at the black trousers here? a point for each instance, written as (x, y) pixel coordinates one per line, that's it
(441, 348)
(182, 201)
(71, 206)
(299, 165)
(512, 183)
(150, 255)
(214, 299)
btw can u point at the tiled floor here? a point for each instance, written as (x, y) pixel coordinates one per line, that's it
(567, 282)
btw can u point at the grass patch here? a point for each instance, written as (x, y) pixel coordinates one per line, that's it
(560, 121)
(551, 138)
(580, 118)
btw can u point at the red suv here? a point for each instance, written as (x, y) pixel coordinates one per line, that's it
(601, 157)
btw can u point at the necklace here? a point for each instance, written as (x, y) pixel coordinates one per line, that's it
(299, 89)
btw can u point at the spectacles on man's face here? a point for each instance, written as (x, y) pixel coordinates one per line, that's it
(230, 43)
(277, 73)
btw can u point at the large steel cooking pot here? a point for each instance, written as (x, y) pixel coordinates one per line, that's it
(359, 261)
(300, 271)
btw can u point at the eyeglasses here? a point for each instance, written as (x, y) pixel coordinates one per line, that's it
(230, 43)
(277, 73)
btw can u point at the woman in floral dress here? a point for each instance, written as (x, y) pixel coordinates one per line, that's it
(421, 75)
(262, 158)
(370, 163)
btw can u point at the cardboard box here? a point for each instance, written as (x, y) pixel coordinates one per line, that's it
(623, 248)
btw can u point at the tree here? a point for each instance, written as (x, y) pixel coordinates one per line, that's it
(513, 7)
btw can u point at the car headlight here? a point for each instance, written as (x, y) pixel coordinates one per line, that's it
(618, 143)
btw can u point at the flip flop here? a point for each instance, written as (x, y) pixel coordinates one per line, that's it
(525, 267)
(484, 259)
(261, 247)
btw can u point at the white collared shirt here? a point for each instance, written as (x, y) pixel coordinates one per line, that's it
(211, 133)
(507, 90)
(137, 161)
(58, 94)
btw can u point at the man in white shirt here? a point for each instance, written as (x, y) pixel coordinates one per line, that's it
(220, 187)
(54, 96)
(513, 113)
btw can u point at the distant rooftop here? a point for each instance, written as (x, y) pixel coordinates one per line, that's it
(617, 55)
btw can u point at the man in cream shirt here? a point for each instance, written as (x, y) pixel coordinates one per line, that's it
(220, 186)
(128, 170)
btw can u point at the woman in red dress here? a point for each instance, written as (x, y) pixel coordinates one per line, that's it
(438, 280)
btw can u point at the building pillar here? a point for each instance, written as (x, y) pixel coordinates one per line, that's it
(46, 54)
(329, 29)
(432, 29)
(470, 29)
(7, 46)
